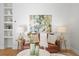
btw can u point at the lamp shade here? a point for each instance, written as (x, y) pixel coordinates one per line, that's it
(61, 29)
(22, 28)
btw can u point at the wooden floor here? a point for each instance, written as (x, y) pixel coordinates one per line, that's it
(69, 52)
(8, 52)
(11, 52)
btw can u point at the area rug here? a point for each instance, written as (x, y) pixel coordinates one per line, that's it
(57, 54)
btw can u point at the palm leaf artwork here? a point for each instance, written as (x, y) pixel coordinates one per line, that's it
(40, 23)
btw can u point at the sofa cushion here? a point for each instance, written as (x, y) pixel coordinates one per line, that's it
(52, 38)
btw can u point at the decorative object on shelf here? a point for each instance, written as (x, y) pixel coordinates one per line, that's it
(8, 26)
(62, 30)
(8, 33)
(40, 23)
(8, 18)
(8, 11)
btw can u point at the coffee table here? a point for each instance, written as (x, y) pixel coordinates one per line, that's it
(26, 52)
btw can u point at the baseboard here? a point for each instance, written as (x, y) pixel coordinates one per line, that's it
(1, 47)
(14, 48)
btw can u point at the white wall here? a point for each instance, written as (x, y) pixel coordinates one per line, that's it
(60, 14)
(74, 27)
(1, 28)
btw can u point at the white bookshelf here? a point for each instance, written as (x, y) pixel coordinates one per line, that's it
(8, 25)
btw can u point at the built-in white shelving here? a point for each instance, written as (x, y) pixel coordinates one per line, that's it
(8, 25)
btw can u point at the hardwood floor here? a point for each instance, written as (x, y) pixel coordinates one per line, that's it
(12, 52)
(69, 52)
(8, 52)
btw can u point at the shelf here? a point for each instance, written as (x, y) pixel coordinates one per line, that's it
(8, 22)
(8, 36)
(8, 42)
(8, 29)
(8, 18)
(8, 15)
(8, 11)
(8, 25)
(8, 4)
(8, 7)
(8, 33)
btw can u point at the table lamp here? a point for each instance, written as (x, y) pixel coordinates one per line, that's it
(22, 29)
(62, 30)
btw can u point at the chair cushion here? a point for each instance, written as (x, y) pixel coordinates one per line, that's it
(52, 48)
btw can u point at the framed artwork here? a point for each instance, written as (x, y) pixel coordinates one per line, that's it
(40, 23)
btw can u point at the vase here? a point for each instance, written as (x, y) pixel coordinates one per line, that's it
(37, 51)
(32, 49)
